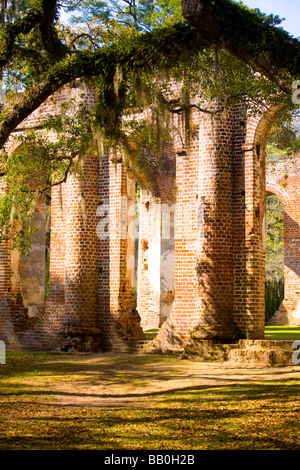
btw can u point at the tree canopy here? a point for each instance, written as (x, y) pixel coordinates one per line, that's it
(143, 15)
(50, 56)
(128, 50)
(249, 36)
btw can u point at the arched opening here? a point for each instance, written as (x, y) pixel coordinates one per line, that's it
(249, 293)
(30, 269)
(283, 229)
(155, 244)
(274, 255)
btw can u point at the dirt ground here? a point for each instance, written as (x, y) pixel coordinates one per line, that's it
(105, 380)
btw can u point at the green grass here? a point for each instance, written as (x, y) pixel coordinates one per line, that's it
(151, 334)
(282, 332)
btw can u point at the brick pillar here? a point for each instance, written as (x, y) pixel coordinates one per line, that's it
(103, 234)
(129, 235)
(203, 304)
(290, 307)
(249, 202)
(7, 323)
(81, 258)
(118, 316)
(55, 305)
(214, 259)
(125, 320)
(175, 331)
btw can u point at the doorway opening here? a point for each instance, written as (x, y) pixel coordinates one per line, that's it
(274, 280)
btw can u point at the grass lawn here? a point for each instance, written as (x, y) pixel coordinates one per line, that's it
(282, 332)
(246, 415)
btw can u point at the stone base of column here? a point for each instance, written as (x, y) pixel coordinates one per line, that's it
(208, 350)
(216, 332)
(286, 316)
(173, 337)
(127, 326)
(81, 339)
(127, 336)
(212, 342)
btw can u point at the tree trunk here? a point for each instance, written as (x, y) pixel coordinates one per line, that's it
(268, 49)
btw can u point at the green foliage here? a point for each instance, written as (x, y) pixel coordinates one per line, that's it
(268, 20)
(274, 295)
(12, 9)
(274, 255)
(39, 163)
(284, 137)
(256, 35)
(142, 15)
(130, 49)
(17, 205)
(274, 238)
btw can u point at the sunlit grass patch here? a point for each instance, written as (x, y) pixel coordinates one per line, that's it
(252, 415)
(237, 417)
(282, 332)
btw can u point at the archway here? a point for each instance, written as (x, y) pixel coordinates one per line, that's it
(274, 255)
(27, 290)
(156, 245)
(283, 180)
(251, 301)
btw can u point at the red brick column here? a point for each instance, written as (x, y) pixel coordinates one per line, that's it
(175, 332)
(203, 238)
(103, 234)
(215, 229)
(118, 316)
(55, 306)
(71, 312)
(249, 202)
(6, 324)
(82, 255)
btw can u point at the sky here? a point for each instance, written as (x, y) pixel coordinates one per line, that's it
(288, 9)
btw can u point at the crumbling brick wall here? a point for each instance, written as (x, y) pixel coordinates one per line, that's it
(216, 191)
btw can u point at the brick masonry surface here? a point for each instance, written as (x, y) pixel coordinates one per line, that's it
(193, 265)
(283, 180)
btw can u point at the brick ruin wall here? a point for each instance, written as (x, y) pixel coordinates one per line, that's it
(199, 252)
(283, 180)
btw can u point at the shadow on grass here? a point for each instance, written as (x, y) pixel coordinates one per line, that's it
(18, 363)
(250, 391)
(257, 416)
